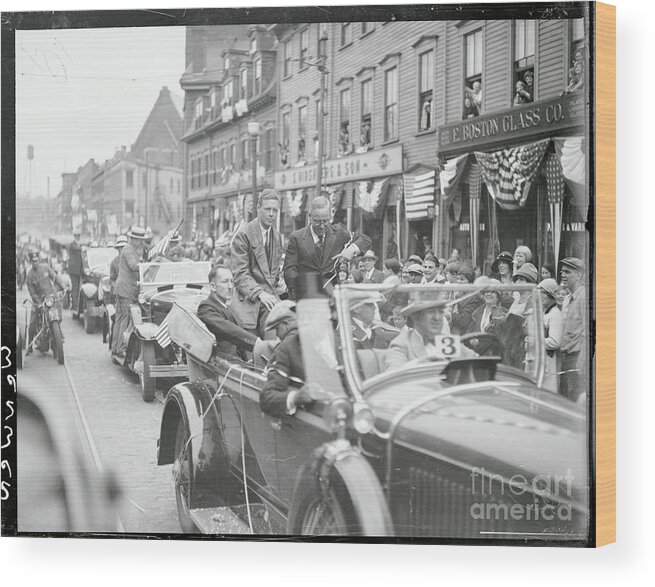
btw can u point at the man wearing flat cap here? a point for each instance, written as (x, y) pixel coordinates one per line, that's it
(427, 321)
(75, 269)
(126, 286)
(572, 382)
(255, 259)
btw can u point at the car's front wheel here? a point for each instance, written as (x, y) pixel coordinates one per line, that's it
(147, 382)
(182, 468)
(89, 321)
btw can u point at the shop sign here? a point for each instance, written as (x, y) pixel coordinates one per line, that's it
(528, 120)
(358, 166)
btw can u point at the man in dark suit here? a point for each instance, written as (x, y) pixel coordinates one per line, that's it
(371, 274)
(255, 260)
(313, 248)
(367, 332)
(231, 339)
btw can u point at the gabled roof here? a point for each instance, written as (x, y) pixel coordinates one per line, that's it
(162, 129)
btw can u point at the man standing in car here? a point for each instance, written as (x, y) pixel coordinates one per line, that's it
(313, 249)
(255, 259)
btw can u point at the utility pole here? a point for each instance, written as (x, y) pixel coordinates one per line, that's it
(322, 58)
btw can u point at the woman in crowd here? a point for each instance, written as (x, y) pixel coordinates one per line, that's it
(562, 292)
(391, 268)
(553, 331)
(490, 310)
(501, 269)
(462, 316)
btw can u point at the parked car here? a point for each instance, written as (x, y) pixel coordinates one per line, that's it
(457, 444)
(161, 284)
(94, 283)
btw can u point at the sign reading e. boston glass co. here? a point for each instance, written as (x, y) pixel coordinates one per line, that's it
(530, 120)
(358, 166)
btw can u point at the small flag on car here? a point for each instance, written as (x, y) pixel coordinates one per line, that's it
(162, 337)
(160, 248)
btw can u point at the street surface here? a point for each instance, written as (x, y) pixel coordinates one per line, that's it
(123, 428)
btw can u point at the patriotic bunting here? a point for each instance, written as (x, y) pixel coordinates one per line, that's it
(162, 337)
(372, 197)
(295, 201)
(508, 173)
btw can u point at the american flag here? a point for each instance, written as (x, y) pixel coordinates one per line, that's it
(419, 194)
(162, 245)
(162, 337)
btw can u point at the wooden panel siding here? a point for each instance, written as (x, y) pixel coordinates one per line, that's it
(495, 77)
(454, 73)
(551, 72)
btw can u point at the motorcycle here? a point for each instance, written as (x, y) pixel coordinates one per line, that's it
(50, 335)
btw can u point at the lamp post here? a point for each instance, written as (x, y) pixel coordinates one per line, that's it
(322, 58)
(254, 131)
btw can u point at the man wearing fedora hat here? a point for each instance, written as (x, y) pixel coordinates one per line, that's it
(126, 287)
(428, 320)
(371, 274)
(572, 378)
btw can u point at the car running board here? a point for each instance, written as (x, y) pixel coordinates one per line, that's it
(231, 519)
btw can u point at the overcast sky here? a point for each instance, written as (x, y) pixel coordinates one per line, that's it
(81, 93)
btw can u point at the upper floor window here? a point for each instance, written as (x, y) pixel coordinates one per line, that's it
(287, 58)
(243, 84)
(258, 76)
(391, 104)
(525, 34)
(366, 110)
(426, 89)
(344, 122)
(304, 48)
(244, 153)
(206, 169)
(346, 33)
(367, 27)
(267, 154)
(253, 45)
(473, 101)
(302, 121)
(226, 64)
(198, 114)
(284, 143)
(129, 178)
(231, 154)
(576, 73)
(228, 93)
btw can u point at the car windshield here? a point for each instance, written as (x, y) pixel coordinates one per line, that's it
(99, 257)
(174, 273)
(387, 330)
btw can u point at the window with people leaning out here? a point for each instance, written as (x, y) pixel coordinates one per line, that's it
(366, 107)
(344, 122)
(576, 56)
(524, 51)
(425, 89)
(473, 97)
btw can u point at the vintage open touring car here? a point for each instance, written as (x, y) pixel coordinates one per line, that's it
(150, 355)
(458, 443)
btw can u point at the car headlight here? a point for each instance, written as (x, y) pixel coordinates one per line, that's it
(87, 272)
(141, 299)
(363, 419)
(49, 300)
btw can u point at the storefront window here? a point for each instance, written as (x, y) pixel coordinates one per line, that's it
(524, 51)
(473, 97)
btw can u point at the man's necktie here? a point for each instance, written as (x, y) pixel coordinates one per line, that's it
(319, 245)
(269, 248)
